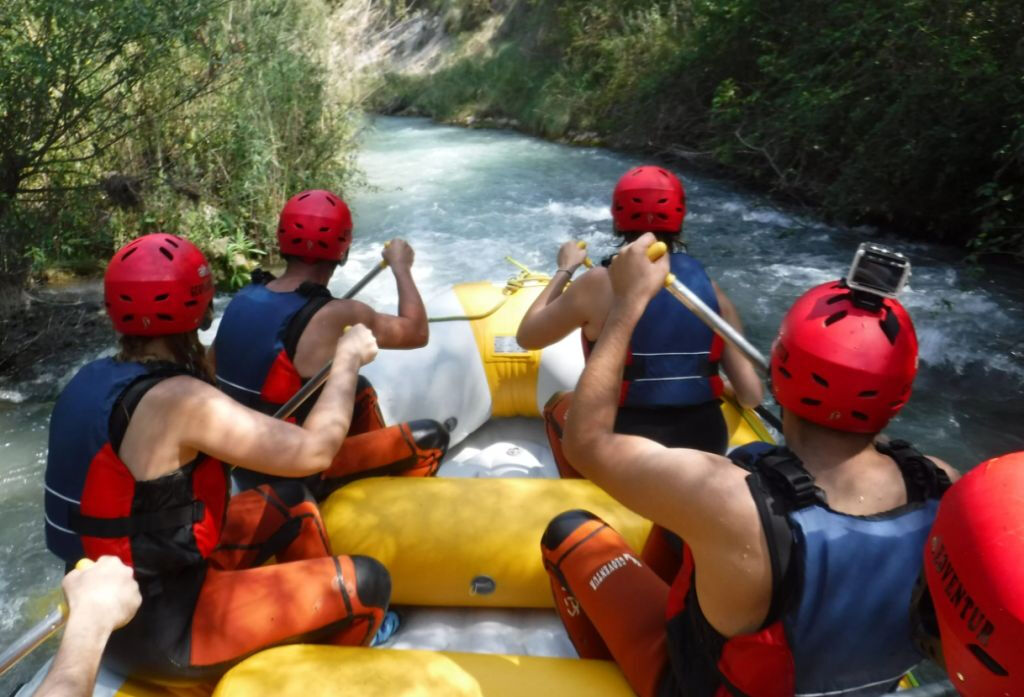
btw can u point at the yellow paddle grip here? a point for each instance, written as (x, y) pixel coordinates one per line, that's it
(586, 261)
(657, 251)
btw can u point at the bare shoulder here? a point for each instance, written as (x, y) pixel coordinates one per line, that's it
(342, 311)
(181, 389)
(950, 470)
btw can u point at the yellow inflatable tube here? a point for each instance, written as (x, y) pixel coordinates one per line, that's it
(464, 542)
(322, 671)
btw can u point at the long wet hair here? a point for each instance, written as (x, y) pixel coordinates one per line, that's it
(187, 350)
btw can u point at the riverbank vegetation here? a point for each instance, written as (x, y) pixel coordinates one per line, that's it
(907, 114)
(197, 116)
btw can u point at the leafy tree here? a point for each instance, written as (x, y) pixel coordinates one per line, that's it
(69, 75)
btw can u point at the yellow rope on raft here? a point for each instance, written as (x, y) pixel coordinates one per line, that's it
(525, 279)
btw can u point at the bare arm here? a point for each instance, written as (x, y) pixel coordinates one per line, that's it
(182, 416)
(100, 599)
(409, 329)
(741, 373)
(546, 321)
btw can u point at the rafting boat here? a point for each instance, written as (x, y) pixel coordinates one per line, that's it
(462, 549)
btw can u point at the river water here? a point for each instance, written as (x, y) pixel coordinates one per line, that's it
(465, 199)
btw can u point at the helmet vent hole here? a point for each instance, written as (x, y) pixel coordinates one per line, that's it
(322, 244)
(299, 225)
(191, 303)
(637, 199)
(662, 216)
(832, 319)
(679, 210)
(129, 253)
(330, 200)
(126, 298)
(618, 206)
(303, 197)
(785, 373)
(987, 660)
(867, 394)
(127, 318)
(820, 380)
(166, 252)
(897, 403)
(341, 239)
(325, 229)
(162, 296)
(296, 240)
(662, 200)
(171, 242)
(164, 316)
(636, 216)
(859, 415)
(837, 298)
(810, 402)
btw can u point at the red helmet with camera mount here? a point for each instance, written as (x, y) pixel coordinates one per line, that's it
(840, 364)
(156, 285)
(315, 225)
(974, 568)
(648, 199)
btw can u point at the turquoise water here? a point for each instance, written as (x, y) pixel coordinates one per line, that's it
(466, 199)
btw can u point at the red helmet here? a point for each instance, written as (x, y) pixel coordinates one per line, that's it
(315, 225)
(974, 566)
(843, 366)
(648, 199)
(157, 284)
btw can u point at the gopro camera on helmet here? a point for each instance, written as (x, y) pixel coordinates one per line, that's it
(878, 271)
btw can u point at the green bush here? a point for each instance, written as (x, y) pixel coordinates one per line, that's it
(906, 113)
(198, 117)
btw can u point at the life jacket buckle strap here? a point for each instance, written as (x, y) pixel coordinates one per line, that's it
(127, 526)
(795, 482)
(929, 480)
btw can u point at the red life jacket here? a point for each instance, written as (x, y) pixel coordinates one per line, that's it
(95, 506)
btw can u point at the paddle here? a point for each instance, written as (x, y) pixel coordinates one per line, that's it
(586, 260)
(934, 689)
(57, 617)
(39, 632)
(718, 325)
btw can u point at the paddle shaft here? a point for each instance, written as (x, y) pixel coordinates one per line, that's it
(934, 689)
(708, 316)
(39, 632)
(714, 320)
(317, 381)
(35, 636)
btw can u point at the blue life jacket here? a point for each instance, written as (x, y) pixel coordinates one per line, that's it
(93, 504)
(673, 356)
(256, 342)
(839, 623)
